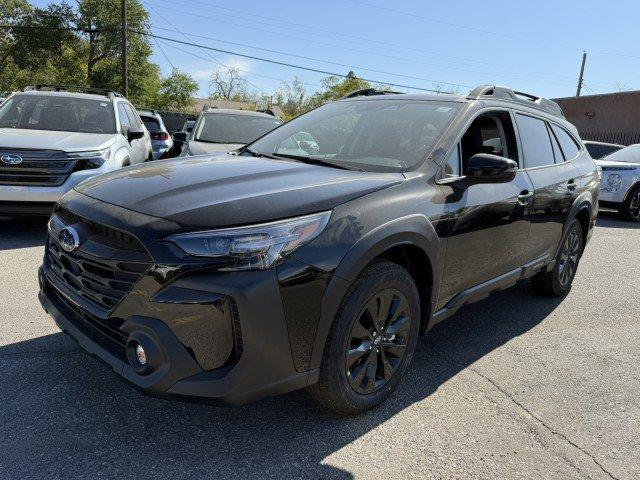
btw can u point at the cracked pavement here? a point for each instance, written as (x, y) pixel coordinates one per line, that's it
(515, 386)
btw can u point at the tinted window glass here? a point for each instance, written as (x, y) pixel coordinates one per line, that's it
(536, 144)
(233, 128)
(569, 147)
(124, 118)
(151, 123)
(134, 119)
(374, 135)
(556, 148)
(59, 113)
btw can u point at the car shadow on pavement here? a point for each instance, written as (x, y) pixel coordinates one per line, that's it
(611, 219)
(22, 232)
(65, 414)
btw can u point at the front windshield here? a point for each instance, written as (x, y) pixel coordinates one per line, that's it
(58, 113)
(386, 135)
(233, 128)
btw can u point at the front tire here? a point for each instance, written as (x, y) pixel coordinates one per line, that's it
(371, 341)
(630, 209)
(557, 282)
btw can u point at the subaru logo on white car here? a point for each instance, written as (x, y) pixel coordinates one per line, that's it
(11, 159)
(69, 239)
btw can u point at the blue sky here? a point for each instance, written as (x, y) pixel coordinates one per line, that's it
(531, 46)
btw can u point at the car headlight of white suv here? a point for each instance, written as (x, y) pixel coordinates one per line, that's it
(91, 158)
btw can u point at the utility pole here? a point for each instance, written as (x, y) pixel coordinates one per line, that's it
(123, 52)
(584, 60)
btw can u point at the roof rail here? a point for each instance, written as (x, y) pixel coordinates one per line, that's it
(504, 93)
(369, 92)
(72, 88)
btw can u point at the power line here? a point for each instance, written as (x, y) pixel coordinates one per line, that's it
(299, 67)
(518, 76)
(206, 52)
(557, 79)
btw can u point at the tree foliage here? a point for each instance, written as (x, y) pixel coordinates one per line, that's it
(89, 57)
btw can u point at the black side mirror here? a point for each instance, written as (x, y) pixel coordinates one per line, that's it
(180, 137)
(484, 167)
(135, 133)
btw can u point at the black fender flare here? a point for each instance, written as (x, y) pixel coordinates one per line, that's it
(414, 230)
(582, 202)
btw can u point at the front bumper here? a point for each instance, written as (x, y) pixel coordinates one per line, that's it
(263, 367)
(24, 199)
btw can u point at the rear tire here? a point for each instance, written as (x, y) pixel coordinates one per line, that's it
(371, 341)
(630, 209)
(557, 282)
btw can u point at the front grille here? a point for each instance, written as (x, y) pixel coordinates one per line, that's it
(37, 168)
(105, 267)
(105, 333)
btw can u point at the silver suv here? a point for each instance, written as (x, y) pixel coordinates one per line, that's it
(52, 137)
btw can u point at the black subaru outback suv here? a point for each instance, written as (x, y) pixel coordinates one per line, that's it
(316, 256)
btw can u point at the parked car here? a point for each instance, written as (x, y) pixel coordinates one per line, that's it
(620, 187)
(264, 272)
(161, 141)
(53, 137)
(222, 130)
(598, 150)
(188, 126)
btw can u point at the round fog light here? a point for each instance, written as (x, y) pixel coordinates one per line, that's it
(141, 355)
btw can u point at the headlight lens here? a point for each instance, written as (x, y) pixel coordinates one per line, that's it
(254, 247)
(614, 180)
(92, 158)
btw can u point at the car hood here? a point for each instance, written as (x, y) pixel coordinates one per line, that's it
(19, 138)
(203, 148)
(225, 190)
(611, 164)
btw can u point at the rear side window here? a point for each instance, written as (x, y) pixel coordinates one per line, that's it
(536, 144)
(556, 147)
(151, 123)
(568, 145)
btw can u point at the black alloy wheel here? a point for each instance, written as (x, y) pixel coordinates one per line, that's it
(569, 257)
(378, 341)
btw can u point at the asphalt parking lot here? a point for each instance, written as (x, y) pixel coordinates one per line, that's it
(516, 386)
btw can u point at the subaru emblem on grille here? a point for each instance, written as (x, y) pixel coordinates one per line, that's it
(11, 159)
(69, 239)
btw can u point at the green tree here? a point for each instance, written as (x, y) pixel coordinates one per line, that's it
(176, 92)
(335, 88)
(292, 98)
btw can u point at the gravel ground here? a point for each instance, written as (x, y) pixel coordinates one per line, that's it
(516, 386)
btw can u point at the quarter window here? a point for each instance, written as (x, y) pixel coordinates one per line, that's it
(452, 167)
(556, 148)
(568, 145)
(536, 144)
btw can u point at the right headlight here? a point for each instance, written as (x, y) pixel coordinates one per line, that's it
(254, 247)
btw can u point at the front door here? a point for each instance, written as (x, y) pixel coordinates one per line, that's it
(488, 222)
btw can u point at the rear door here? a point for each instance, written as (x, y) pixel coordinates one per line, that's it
(553, 180)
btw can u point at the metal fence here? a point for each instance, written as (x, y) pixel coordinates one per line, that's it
(621, 138)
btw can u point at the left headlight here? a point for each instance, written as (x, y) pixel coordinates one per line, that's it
(254, 247)
(91, 158)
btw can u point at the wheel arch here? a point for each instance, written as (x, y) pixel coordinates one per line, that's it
(582, 209)
(409, 241)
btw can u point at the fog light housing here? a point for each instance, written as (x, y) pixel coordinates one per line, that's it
(143, 353)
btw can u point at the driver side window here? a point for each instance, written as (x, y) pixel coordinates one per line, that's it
(491, 133)
(125, 124)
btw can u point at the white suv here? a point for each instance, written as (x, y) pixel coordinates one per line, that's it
(52, 137)
(620, 186)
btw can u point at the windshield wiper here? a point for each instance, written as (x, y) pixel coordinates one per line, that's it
(258, 154)
(318, 161)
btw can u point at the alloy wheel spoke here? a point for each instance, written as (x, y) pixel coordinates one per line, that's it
(395, 349)
(355, 354)
(358, 331)
(387, 369)
(372, 369)
(401, 325)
